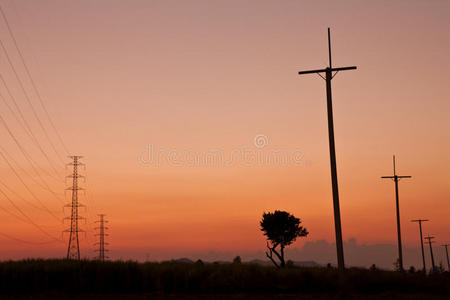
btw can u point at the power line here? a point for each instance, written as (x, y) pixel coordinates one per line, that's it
(22, 149)
(28, 189)
(32, 80)
(28, 218)
(43, 185)
(19, 196)
(13, 214)
(29, 100)
(7, 128)
(31, 162)
(30, 134)
(23, 241)
(25, 200)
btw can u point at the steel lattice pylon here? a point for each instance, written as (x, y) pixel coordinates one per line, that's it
(101, 243)
(73, 249)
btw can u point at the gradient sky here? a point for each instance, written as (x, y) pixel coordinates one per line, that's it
(182, 77)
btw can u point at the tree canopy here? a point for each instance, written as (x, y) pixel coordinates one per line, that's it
(281, 229)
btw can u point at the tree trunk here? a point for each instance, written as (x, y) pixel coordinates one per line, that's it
(282, 263)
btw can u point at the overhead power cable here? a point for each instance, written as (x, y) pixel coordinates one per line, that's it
(22, 87)
(21, 148)
(32, 80)
(42, 184)
(21, 115)
(25, 242)
(45, 208)
(29, 133)
(28, 218)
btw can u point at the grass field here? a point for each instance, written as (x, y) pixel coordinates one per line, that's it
(28, 279)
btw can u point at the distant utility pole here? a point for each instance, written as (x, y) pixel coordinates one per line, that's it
(334, 181)
(429, 238)
(73, 249)
(399, 234)
(446, 252)
(101, 243)
(421, 240)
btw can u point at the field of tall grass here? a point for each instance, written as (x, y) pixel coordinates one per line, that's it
(129, 277)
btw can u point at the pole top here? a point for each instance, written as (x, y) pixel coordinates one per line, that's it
(393, 160)
(75, 156)
(329, 47)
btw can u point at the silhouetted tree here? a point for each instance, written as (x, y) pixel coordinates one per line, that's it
(237, 260)
(281, 229)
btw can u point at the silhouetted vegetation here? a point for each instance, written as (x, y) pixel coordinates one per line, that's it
(281, 229)
(128, 277)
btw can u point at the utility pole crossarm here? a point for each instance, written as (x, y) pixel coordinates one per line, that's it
(327, 69)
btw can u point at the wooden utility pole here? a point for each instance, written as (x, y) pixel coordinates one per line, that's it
(399, 234)
(421, 241)
(446, 252)
(429, 238)
(334, 181)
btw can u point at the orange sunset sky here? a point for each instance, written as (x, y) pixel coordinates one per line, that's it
(186, 78)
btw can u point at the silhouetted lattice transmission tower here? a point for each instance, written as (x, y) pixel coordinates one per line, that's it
(73, 249)
(101, 243)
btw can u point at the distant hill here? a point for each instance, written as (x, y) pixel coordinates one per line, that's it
(254, 261)
(296, 263)
(183, 260)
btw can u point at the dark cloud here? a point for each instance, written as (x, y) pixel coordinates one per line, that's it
(363, 255)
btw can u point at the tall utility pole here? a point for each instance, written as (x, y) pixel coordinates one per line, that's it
(73, 249)
(101, 243)
(421, 241)
(429, 238)
(334, 181)
(446, 252)
(399, 234)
